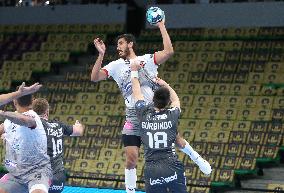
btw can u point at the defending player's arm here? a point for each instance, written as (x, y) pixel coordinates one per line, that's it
(97, 73)
(19, 119)
(174, 97)
(76, 130)
(2, 128)
(136, 89)
(168, 51)
(140, 105)
(23, 90)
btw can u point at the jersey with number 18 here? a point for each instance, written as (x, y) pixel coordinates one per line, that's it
(158, 130)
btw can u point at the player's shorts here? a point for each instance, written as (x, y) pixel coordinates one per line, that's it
(132, 124)
(57, 183)
(131, 140)
(38, 180)
(165, 175)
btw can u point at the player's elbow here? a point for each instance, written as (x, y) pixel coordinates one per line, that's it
(170, 52)
(28, 122)
(94, 78)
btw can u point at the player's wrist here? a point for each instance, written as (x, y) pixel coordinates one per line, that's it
(134, 74)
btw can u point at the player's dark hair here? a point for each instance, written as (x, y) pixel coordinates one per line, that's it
(25, 101)
(128, 38)
(161, 98)
(40, 106)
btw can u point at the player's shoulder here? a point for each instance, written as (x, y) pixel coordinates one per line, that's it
(118, 61)
(30, 113)
(174, 109)
(146, 56)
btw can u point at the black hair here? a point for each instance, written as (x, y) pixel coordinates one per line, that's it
(161, 98)
(128, 38)
(25, 101)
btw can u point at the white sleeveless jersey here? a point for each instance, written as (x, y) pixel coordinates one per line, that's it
(119, 70)
(26, 148)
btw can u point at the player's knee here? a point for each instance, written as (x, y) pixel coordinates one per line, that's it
(131, 160)
(2, 190)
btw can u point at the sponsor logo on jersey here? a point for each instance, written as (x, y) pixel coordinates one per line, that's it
(57, 187)
(160, 117)
(163, 180)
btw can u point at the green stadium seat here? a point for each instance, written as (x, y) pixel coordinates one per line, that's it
(247, 163)
(251, 150)
(229, 162)
(233, 149)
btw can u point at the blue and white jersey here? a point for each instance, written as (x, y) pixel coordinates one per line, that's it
(26, 148)
(119, 70)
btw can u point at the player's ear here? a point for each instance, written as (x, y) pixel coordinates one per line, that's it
(130, 45)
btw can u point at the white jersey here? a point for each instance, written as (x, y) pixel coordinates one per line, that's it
(119, 70)
(26, 148)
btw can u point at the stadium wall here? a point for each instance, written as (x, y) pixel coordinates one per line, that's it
(72, 14)
(224, 15)
(177, 15)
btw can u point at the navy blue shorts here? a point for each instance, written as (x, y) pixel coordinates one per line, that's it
(166, 175)
(57, 183)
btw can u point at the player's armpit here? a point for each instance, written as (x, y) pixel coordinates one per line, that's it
(102, 75)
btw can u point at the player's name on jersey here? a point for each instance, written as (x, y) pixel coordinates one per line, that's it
(55, 132)
(157, 126)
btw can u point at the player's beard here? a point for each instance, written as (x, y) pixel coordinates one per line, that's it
(125, 54)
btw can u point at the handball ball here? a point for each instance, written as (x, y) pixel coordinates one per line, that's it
(154, 15)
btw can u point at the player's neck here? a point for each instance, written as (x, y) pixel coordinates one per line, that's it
(22, 109)
(131, 55)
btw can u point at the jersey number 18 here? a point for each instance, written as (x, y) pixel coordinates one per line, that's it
(157, 139)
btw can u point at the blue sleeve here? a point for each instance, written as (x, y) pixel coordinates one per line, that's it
(175, 112)
(140, 107)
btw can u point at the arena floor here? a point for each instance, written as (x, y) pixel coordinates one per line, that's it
(68, 189)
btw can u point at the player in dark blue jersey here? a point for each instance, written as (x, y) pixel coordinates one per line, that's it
(55, 132)
(158, 127)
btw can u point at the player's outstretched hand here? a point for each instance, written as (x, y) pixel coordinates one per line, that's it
(161, 23)
(100, 46)
(30, 89)
(135, 65)
(78, 129)
(161, 82)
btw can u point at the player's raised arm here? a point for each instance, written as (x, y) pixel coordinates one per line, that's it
(174, 97)
(97, 73)
(168, 51)
(136, 89)
(19, 119)
(23, 90)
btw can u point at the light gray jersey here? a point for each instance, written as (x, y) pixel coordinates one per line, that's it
(120, 71)
(26, 148)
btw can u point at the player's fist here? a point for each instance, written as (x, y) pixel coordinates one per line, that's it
(135, 65)
(100, 46)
